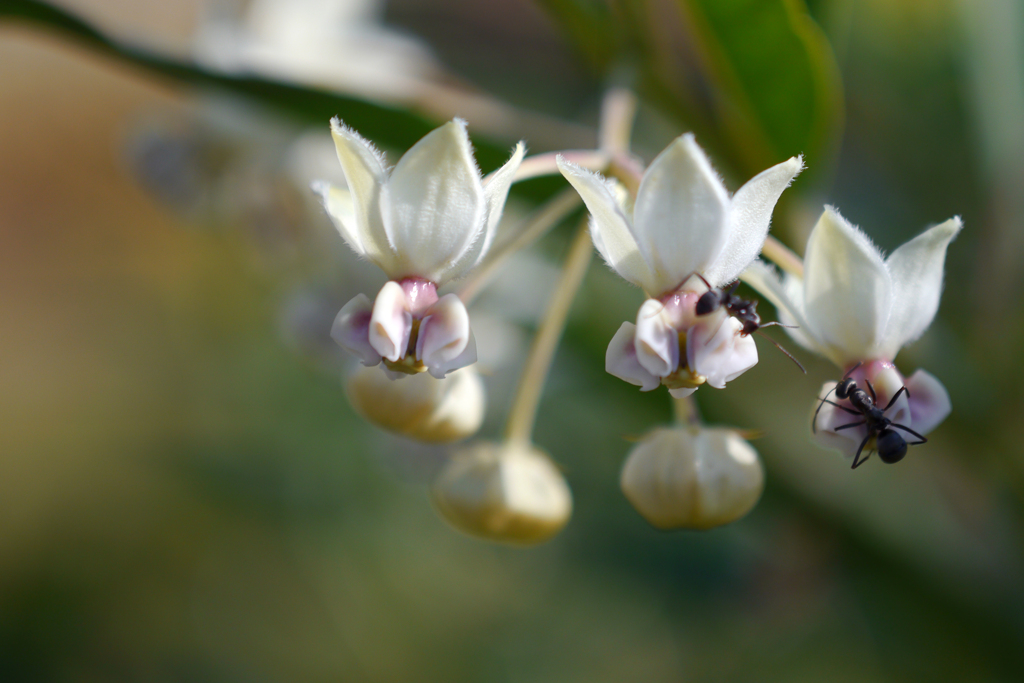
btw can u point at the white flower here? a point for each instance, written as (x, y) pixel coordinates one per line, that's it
(855, 306)
(683, 224)
(430, 220)
(508, 492)
(692, 477)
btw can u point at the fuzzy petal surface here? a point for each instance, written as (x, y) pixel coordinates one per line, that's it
(848, 293)
(681, 216)
(916, 271)
(436, 205)
(620, 360)
(391, 322)
(351, 329)
(750, 215)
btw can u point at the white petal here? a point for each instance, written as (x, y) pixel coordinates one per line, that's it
(366, 176)
(391, 323)
(929, 402)
(340, 207)
(847, 289)
(351, 329)
(609, 227)
(716, 350)
(750, 214)
(681, 392)
(467, 357)
(437, 206)
(916, 270)
(657, 342)
(787, 297)
(496, 186)
(443, 335)
(681, 213)
(620, 360)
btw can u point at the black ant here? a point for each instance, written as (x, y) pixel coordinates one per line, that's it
(889, 443)
(743, 310)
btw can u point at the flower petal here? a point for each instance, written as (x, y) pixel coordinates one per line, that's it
(609, 227)
(847, 290)
(391, 322)
(366, 176)
(341, 209)
(496, 186)
(444, 335)
(657, 342)
(351, 329)
(750, 214)
(620, 360)
(715, 349)
(436, 204)
(787, 296)
(929, 402)
(680, 218)
(916, 270)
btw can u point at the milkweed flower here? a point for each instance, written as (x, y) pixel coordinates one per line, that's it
(683, 224)
(424, 223)
(858, 309)
(692, 477)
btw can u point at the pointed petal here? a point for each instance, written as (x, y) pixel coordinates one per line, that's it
(715, 349)
(847, 289)
(351, 329)
(680, 219)
(929, 402)
(620, 360)
(436, 205)
(365, 175)
(496, 186)
(657, 342)
(391, 322)
(340, 207)
(787, 296)
(609, 227)
(444, 334)
(916, 270)
(750, 214)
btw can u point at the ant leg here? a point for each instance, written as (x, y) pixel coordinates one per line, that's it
(896, 396)
(874, 396)
(851, 411)
(814, 420)
(911, 431)
(852, 424)
(857, 462)
(779, 346)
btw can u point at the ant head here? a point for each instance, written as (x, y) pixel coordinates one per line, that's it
(708, 302)
(891, 446)
(845, 386)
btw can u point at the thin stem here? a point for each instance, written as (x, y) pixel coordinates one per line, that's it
(778, 252)
(542, 353)
(618, 111)
(685, 410)
(544, 164)
(537, 225)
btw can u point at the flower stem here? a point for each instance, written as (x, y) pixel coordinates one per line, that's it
(781, 254)
(537, 225)
(544, 164)
(685, 410)
(618, 111)
(531, 384)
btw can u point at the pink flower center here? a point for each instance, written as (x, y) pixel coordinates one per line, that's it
(420, 294)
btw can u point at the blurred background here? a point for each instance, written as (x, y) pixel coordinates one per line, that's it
(185, 494)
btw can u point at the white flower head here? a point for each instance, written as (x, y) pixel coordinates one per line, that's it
(426, 222)
(683, 225)
(855, 306)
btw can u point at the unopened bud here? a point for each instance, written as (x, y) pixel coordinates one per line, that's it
(692, 477)
(510, 493)
(420, 406)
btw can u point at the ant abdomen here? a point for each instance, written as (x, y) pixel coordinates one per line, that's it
(891, 446)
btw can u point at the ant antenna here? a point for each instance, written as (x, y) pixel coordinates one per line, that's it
(814, 420)
(788, 354)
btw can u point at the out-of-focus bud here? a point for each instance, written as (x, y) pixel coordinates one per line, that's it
(420, 406)
(692, 477)
(508, 492)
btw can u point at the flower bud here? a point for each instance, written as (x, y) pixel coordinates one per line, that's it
(420, 406)
(508, 492)
(692, 477)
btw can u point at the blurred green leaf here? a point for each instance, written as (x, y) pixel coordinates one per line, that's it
(387, 126)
